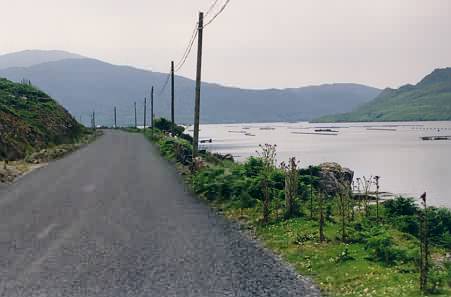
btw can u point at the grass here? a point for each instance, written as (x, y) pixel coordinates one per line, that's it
(31, 120)
(339, 269)
(354, 277)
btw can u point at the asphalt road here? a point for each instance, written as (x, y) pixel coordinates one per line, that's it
(114, 219)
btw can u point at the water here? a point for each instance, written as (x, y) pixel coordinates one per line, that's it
(407, 164)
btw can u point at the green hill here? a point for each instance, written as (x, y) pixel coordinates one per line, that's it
(31, 120)
(429, 100)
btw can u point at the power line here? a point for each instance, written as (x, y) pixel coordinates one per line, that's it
(217, 14)
(188, 52)
(189, 47)
(165, 84)
(211, 7)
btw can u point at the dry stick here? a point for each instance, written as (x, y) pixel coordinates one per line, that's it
(311, 194)
(291, 186)
(266, 201)
(424, 245)
(376, 178)
(321, 217)
(268, 155)
(343, 214)
(359, 193)
(367, 187)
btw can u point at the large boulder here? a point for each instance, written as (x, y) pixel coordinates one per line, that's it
(333, 178)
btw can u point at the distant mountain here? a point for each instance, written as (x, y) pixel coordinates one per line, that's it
(33, 57)
(429, 100)
(30, 120)
(84, 85)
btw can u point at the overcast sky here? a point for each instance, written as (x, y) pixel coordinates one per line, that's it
(253, 44)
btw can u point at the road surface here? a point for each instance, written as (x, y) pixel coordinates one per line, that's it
(114, 219)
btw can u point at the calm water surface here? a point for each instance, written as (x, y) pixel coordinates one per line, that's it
(407, 164)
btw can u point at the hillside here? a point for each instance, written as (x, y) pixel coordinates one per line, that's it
(28, 58)
(83, 85)
(429, 100)
(30, 120)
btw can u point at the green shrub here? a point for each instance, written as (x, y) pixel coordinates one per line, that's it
(255, 189)
(186, 137)
(439, 225)
(253, 167)
(304, 237)
(448, 272)
(163, 124)
(344, 256)
(381, 247)
(245, 200)
(408, 224)
(400, 206)
(438, 276)
(278, 180)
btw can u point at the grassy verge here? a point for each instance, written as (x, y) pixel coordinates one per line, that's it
(378, 257)
(11, 170)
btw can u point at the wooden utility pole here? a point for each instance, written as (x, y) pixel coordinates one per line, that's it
(198, 85)
(145, 110)
(151, 110)
(172, 98)
(94, 120)
(136, 121)
(115, 118)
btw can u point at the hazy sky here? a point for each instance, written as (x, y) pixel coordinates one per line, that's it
(254, 43)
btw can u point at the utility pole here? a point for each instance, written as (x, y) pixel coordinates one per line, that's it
(145, 110)
(94, 120)
(198, 84)
(151, 110)
(172, 98)
(136, 122)
(115, 118)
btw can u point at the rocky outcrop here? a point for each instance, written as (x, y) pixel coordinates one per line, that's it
(333, 178)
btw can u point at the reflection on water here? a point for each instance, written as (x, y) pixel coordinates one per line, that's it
(406, 163)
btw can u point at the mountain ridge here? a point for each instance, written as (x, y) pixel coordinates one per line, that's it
(428, 100)
(27, 58)
(83, 85)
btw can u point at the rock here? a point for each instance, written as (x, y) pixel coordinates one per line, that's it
(334, 179)
(226, 157)
(8, 174)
